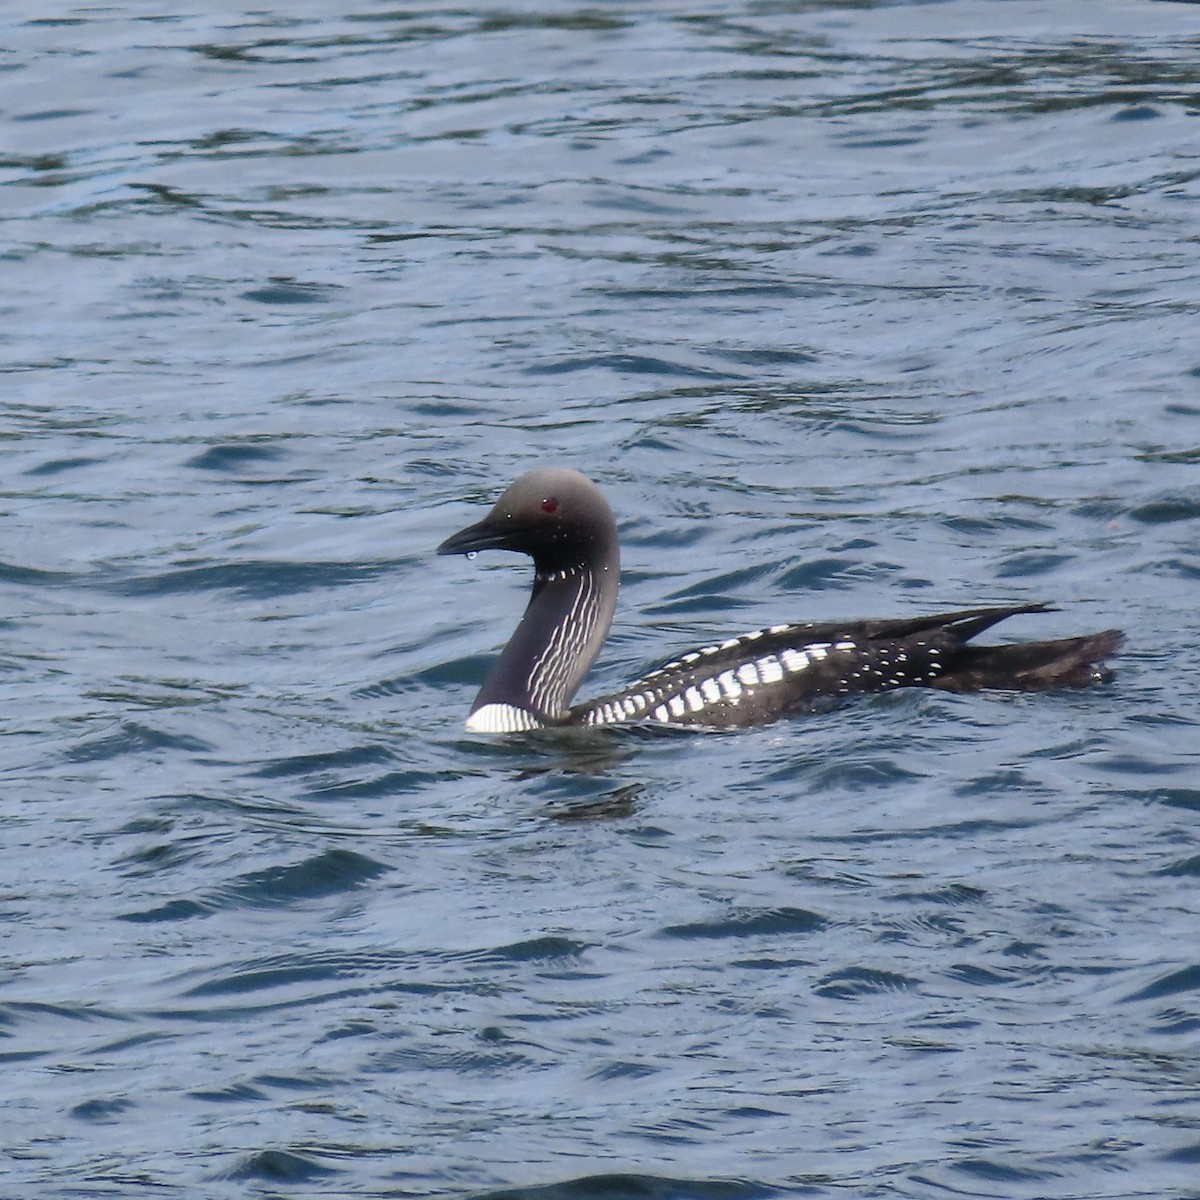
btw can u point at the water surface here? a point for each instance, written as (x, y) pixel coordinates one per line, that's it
(853, 309)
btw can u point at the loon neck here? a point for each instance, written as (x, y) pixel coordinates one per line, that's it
(540, 669)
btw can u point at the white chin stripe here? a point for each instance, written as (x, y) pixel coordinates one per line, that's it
(501, 718)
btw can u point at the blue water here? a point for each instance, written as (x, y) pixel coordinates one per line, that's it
(853, 309)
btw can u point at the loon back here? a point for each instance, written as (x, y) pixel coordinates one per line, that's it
(562, 521)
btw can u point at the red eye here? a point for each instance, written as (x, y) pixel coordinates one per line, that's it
(550, 504)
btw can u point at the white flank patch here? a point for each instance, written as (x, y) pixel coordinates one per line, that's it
(845, 645)
(661, 714)
(501, 718)
(695, 701)
(794, 660)
(747, 674)
(770, 670)
(729, 685)
(677, 706)
(817, 651)
(711, 690)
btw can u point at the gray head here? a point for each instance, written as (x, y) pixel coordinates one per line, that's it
(557, 516)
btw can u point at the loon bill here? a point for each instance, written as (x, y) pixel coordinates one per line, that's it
(563, 522)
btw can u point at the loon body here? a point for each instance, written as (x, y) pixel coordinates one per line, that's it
(562, 521)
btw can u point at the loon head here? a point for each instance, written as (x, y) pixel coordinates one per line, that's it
(558, 517)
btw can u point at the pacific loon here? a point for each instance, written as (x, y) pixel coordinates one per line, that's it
(563, 522)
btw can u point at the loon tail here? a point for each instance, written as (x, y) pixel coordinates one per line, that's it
(1033, 666)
